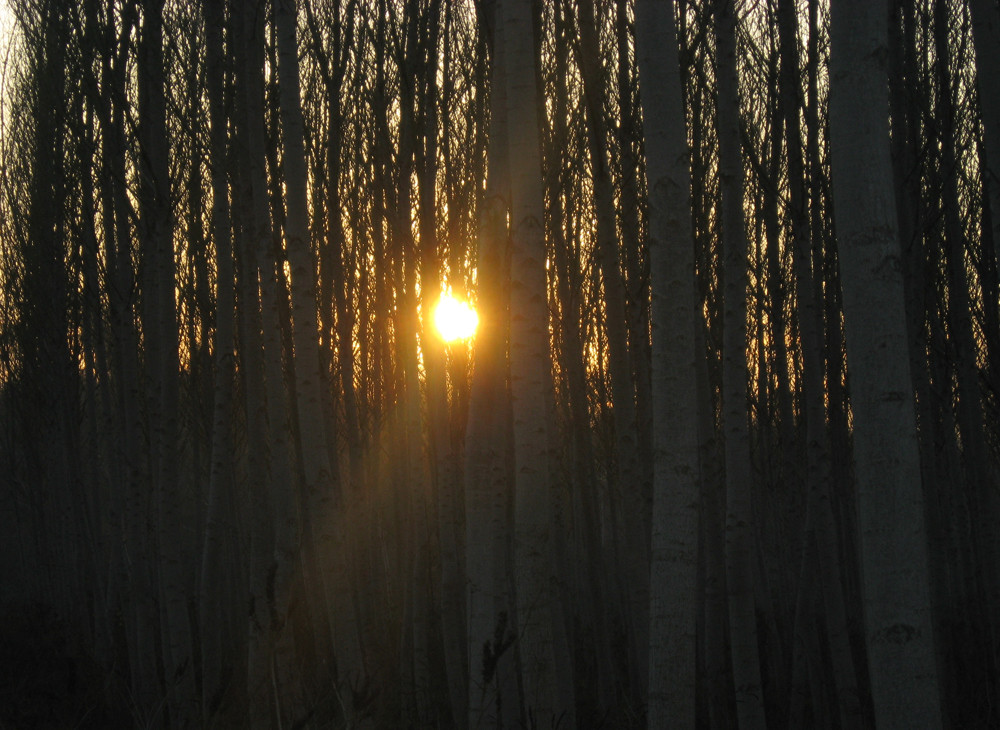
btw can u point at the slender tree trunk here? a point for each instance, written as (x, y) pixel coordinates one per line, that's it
(896, 588)
(740, 549)
(545, 700)
(673, 580)
(486, 473)
(419, 583)
(175, 533)
(632, 217)
(276, 533)
(217, 656)
(140, 599)
(101, 506)
(48, 371)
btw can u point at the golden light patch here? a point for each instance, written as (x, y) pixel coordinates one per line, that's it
(454, 319)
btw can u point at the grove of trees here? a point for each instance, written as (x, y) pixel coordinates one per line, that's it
(724, 452)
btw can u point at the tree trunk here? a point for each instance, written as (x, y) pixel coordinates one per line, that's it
(487, 487)
(673, 580)
(175, 532)
(740, 549)
(896, 587)
(545, 700)
(276, 533)
(217, 656)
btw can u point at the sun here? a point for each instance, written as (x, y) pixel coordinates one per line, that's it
(454, 319)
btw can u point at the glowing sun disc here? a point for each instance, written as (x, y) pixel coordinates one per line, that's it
(454, 319)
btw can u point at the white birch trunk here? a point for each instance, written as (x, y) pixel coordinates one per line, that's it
(486, 483)
(486, 472)
(534, 568)
(895, 578)
(673, 574)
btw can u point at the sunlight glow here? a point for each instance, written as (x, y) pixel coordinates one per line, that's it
(454, 319)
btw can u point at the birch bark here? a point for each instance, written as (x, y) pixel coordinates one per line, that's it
(673, 575)
(545, 700)
(896, 590)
